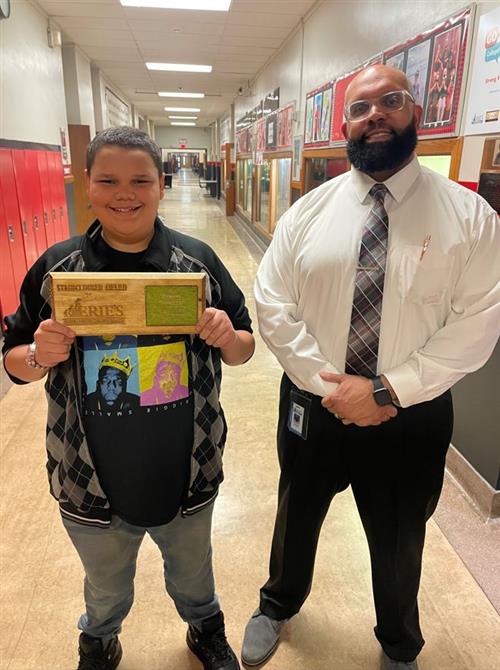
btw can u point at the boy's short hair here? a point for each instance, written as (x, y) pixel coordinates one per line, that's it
(128, 138)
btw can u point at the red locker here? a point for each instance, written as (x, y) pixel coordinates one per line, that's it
(25, 206)
(20, 237)
(33, 179)
(59, 212)
(8, 293)
(29, 205)
(43, 172)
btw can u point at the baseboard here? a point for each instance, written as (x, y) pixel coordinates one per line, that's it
(480, 492)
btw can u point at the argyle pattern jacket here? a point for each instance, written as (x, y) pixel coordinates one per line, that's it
(72, 476)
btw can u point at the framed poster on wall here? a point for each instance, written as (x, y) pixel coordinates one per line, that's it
(318, 116)
(341, 85)
(434, 64)
(271, 131)
(260, 133)
(483, 112)
(285, 123)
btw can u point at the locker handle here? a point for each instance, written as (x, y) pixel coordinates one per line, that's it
(35, 221)
(46, 218)
(11, 233)
(25, 227)
(54, 214)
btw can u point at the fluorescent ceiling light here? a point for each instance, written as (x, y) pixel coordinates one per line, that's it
(209, 5)
(182, 123)
(182, 109)
(184, 118)
(179, 94)
(179, 67)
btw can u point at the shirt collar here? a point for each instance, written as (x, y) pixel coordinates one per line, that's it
(398, 185)
(157, 253)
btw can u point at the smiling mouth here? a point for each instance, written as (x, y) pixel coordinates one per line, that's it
(125, 210)
(379, 134)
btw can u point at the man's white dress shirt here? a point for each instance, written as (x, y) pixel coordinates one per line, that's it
(441, 305)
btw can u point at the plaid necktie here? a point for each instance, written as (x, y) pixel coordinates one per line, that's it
(362, 345)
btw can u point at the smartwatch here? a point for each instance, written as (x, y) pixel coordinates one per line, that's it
(381, 394)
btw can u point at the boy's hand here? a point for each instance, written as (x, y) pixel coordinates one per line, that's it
(216, 329)
(53, 343)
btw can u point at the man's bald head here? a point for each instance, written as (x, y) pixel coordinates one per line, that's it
(374, 75)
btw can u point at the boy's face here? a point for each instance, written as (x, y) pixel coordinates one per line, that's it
(124, 189)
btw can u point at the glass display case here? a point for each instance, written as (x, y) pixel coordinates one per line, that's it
(273, 191)
(283, 175)
(321, 169)
(244, 191)
(265, 194)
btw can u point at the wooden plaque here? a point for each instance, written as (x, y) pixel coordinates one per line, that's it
(128, 303)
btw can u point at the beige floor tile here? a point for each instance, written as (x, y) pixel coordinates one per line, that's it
(41, 596)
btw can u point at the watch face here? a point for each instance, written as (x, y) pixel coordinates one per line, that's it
(382, 397)
(4, 9)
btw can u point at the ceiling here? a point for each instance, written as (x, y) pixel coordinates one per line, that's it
(120, 40)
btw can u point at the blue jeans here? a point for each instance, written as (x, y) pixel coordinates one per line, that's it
(109, 557)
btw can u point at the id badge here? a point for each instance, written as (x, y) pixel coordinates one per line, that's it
(298, 413)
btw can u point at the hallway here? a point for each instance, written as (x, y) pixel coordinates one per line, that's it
(42, 580)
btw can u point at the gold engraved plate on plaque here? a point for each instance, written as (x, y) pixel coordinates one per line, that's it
(128, 303)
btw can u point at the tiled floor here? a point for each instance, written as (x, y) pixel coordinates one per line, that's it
(41, 576)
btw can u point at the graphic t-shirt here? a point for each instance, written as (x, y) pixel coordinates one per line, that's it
(138, 415)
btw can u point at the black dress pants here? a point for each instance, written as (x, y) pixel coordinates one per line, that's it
(396, 474)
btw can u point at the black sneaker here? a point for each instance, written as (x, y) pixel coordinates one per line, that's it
(94, 657)
(210, 645)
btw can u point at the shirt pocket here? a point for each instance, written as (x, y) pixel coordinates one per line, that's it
(424, 280)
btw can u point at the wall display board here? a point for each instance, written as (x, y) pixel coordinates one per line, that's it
(260, 135)
(341, 84)
(117, 111)
(318, 116)
(271, 132)
(243, 141)
(285, 126)
(434, 64)
(483, 113)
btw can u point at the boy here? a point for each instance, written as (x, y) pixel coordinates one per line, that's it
(123, 461)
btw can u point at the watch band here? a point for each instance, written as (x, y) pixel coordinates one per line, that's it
(31, 360)
(381, 393)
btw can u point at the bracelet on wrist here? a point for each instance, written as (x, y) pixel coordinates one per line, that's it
(31, 359)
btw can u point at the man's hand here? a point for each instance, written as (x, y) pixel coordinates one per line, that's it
(216, 329)
(353, 402)
(53, 343)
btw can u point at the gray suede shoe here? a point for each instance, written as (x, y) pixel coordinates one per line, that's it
(387, 663)
(262, 636)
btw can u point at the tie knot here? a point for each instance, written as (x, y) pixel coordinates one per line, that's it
(378, 192)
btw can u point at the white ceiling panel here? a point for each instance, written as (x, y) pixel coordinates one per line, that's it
(82, 9)
(92, 23)
(120, 40)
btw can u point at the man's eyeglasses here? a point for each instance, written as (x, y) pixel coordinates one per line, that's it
(387, 103)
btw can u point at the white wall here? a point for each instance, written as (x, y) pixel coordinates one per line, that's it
(99, 84)
(78, 87)
(32, 102)
(169, 136)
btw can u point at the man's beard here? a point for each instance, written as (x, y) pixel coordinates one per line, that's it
(373, 157)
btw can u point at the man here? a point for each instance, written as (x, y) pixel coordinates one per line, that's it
(393, 230)
(111, 387)
(121, 473)
(167, 384)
